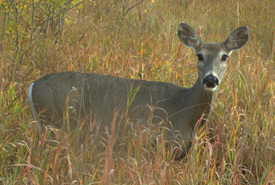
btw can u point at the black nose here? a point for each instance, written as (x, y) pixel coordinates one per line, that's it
(210, 81)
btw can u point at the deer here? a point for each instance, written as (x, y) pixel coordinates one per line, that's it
(91, 96)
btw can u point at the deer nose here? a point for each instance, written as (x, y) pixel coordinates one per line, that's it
(210, 81)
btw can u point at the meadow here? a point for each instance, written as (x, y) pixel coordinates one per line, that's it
(137, 39)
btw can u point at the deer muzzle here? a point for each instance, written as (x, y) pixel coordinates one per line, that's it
(210, 82)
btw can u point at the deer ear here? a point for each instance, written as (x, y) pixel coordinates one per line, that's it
(237, 39)
(188, 36)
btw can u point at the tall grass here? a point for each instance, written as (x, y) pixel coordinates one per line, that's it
(237, 146)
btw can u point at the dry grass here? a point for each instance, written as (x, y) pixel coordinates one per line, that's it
(237, 146)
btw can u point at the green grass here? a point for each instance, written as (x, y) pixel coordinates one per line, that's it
(237, 146)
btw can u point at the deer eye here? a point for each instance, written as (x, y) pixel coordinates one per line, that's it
(200, 57)
(224, 57)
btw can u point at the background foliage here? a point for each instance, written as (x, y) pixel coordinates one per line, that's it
(136, 39)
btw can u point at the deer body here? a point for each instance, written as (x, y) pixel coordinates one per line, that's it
(95, 97)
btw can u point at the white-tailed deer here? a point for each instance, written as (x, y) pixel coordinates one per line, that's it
(95, 97)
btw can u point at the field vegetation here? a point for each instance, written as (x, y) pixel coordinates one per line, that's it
(137, 39)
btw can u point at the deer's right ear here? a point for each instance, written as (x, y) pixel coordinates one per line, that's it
(188, 36)
(237, 39)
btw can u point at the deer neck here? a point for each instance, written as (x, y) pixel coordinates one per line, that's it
(195, 104)
(202, 101)
(200, 95)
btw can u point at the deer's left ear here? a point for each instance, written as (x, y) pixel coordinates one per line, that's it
(188, 36)
(237, 39)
